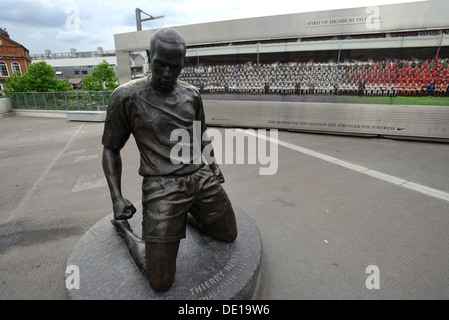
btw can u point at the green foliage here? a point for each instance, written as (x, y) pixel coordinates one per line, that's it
(103, 78)
(16, 83)
(40, 77)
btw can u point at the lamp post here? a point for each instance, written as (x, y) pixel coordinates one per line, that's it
(139, 19)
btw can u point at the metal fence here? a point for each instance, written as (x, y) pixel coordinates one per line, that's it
(70, 100)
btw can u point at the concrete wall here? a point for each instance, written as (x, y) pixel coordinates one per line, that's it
(417, 122)
(39, 113)
(5, 107)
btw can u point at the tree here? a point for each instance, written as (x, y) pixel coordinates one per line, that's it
(40, 77)
(103, 77)
(16, 83)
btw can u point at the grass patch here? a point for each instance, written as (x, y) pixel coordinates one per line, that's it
(417, 101)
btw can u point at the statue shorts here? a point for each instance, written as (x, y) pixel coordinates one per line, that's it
(166, 201)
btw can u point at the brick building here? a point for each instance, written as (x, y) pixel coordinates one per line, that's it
(13, 57)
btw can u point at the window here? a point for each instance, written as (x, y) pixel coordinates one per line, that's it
(84, 72)
(3, 69)
(15, 66)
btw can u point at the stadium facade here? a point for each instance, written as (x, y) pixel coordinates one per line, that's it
(390, 49)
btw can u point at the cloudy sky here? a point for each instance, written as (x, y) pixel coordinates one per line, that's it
(59, 25)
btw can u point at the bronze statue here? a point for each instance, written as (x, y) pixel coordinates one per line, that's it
(173, 192)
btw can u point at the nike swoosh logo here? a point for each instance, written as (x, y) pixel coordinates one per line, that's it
(401, 129)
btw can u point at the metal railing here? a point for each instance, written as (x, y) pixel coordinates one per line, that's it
(71, 55)
(68, 101)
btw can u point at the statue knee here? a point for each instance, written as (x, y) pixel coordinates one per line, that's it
(161, 264)
(161, 284)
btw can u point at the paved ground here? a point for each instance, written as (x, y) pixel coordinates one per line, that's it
(335, 206)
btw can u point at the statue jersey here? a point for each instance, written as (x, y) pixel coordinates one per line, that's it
(154, 118)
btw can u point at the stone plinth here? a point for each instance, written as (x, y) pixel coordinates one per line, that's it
(206, 268)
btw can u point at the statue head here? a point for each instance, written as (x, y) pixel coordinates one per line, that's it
(166, 55)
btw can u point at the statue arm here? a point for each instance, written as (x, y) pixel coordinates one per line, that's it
(112, 167)
(115, 135)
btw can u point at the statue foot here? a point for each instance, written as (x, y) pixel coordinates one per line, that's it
(121, 226)
(135, 245)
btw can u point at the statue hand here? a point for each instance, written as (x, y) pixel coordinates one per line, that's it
(123, 209)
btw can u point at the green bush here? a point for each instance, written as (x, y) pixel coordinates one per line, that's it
(40, 77)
